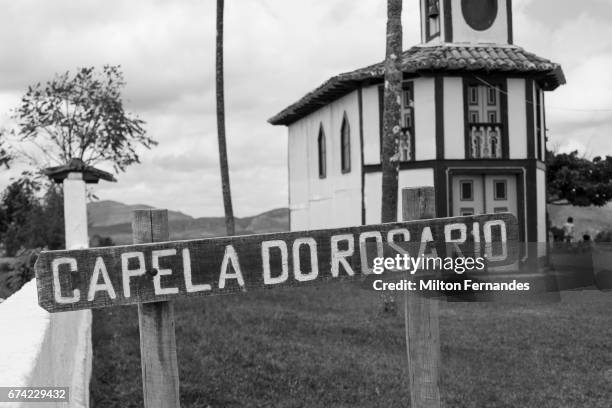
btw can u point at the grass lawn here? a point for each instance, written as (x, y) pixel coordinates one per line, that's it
(330, 346)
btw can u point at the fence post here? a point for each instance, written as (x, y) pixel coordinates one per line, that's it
(160, 380)
(422, 317)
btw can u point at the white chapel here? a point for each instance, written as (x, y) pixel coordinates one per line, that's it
(474, 126)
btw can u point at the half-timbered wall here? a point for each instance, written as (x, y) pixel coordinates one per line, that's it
(371, 124)
(425, 119)
(344, 199)
(454, 120)
(484, 21)
(407, 179)
(517, 118)
(462, 31)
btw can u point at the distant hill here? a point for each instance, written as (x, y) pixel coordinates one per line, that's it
(106, 213)
(113, 219)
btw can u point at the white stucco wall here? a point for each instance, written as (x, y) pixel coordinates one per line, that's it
(541, 183)
(335, 200)
(535, 119)
(298, 175)
(407, 179)
(454, 128)
(542, 114)
(371, 125)
(463, 33)
(425, 118)
(42, 349)
(517, 118)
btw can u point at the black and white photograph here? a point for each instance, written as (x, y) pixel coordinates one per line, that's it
(322, 203)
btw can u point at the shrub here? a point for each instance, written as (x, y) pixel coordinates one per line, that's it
(604, 236)
(23, 269)
(5, 267)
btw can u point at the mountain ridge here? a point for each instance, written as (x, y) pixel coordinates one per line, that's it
(108, 212)
(113, 219)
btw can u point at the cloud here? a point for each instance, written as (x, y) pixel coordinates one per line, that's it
(578, 36)
(275, 52)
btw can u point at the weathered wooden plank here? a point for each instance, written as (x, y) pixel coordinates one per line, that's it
(160, 378)
(422, 317)
(101, 277)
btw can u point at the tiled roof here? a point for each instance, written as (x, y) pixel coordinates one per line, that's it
(431, 59)
(91, 175)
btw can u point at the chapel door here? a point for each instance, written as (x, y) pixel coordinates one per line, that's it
(501, 194)
(467, 195)
(474, 194)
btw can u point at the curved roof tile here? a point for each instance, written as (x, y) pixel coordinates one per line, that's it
(441, 58)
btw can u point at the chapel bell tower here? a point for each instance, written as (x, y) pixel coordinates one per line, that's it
(466, 21)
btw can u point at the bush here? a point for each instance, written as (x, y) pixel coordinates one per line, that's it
(604, 236)
(557, 233)
(98, 241)
(27, 221)
(23, 269)
(5, 267)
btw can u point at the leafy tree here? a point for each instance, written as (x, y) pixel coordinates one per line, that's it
(5, 154)
(23, 270)
(81, 116)
(53, 218)
(30, 222)
(391, 111)
(576, 180)
(19, 205)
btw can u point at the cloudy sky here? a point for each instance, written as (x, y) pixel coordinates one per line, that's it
(275, 51)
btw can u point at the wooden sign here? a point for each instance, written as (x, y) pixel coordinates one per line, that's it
(101, 277)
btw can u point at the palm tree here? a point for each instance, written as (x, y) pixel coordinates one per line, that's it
(392, 113)
(391, 122)
(225, 180)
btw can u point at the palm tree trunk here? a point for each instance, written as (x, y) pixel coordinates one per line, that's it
(392, 113)
(391, 124)
(225, 180)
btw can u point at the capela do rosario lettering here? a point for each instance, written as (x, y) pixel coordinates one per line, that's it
(98, 277)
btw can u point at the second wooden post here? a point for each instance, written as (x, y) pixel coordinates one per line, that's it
(160, 380)
(422, 317)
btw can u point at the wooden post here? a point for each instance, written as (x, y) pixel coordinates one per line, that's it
(160, 380)
(422, 317)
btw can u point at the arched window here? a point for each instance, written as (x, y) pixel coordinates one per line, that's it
(345, 141)
(322, 153)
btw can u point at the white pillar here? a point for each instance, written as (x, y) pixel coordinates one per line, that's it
(76, 235)
(75, 211)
